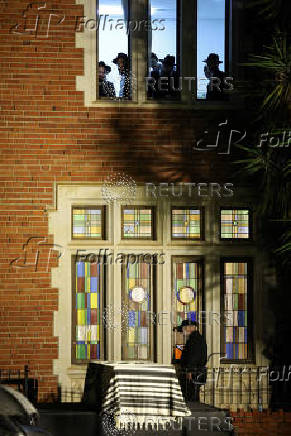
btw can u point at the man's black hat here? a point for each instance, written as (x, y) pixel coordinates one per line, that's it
(213, 57)
(120, 56)
(185, 323)
(168, 60)
(107, 68)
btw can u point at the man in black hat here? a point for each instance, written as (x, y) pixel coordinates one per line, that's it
(217, 85)
(106, 89)
(193, 361)
(122, 62)
(165, 78)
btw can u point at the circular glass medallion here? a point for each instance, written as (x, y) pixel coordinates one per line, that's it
(138, 294)
(186, 295)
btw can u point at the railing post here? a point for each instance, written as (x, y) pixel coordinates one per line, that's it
(213, 387)
(240, 375)
(258, 389)
(25, 387)
(250, 386)
(221, 385)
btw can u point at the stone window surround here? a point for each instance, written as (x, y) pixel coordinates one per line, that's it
(211, 250)
(88, 41)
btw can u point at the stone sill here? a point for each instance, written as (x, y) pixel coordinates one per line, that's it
(201, 105)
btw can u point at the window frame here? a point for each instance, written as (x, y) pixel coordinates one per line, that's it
(201, 265)
(138, 54)
(250, 215)
(179, 40)
(202, 222)
(153, 236)
(103, 223)
(103, 342)
(250, 308)
(152, 327)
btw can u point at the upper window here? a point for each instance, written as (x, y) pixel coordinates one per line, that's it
(211, 20)
(137, 222)
(162, 50)
(88, 222)
(235, 224)
(186, 223)
(113, 17)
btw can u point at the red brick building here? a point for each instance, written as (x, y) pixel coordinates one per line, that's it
(60, 141)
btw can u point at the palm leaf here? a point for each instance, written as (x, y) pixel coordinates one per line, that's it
(270, 9)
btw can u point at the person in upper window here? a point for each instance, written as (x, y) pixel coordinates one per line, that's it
(170, 87)
(217, 84)
(122, 62)
(156, 67)
(106, 89)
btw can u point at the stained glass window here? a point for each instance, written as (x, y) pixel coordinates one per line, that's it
(89, 293)
(235, 224)
(137, 223)
(137, 297)
(236, 310)
(88, 222)
(187, 299)
(186, 223)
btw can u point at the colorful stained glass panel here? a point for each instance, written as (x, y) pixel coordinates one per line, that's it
(137, 337)
(235, 224)
(185, 274)
(89, 287)
(87, 223)
(235, 310)
(186, 224)
(137, 223)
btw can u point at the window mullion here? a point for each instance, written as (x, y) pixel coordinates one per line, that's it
(188, 48)
(138, 41)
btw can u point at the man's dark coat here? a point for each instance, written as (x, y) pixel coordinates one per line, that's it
(195, 351)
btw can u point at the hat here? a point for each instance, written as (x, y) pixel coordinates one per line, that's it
(154, 56)
(185, 323)
(107, 68)
(213, 57)
(120, 56)
(168, 60)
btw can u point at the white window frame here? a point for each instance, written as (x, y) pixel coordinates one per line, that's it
(210, 249)
(88, 40)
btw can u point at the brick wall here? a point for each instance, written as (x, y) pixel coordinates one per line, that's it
(47, 136)
(266, 423)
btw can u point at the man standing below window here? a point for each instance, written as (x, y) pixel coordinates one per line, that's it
(193, 361)
(122, 62)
